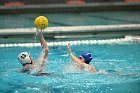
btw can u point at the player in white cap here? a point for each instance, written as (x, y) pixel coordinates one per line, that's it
(34, 67)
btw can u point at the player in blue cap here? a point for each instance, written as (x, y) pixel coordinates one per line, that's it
(83, 60)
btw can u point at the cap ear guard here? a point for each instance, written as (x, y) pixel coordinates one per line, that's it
(87, 56)
(24, 58)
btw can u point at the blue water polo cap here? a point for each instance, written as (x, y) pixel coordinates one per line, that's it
(87, 56)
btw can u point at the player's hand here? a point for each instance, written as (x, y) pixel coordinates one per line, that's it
(69, 49)
(68, 45)
(39, 31)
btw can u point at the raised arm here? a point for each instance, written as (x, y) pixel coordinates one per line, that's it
(74, 58)
(43, 42)
(88, 67)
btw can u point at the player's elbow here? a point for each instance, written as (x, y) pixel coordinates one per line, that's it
(46, 52)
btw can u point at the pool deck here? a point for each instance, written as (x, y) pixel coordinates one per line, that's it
(88, 7)
(60, 32)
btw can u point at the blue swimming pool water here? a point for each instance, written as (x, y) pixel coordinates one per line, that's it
(123, 58)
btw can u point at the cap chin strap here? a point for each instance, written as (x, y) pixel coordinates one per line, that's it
(28, 63)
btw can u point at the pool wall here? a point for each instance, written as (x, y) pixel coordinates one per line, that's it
(121, 24)
(94, 31)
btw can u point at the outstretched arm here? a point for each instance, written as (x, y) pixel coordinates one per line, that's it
(43, 42)
(74, 58)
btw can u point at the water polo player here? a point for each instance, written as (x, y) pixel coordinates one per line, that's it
(83, 61)
(37, 66)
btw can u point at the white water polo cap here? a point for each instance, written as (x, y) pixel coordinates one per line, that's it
(24, 58)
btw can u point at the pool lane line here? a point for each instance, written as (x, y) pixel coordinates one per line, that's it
(127, 39)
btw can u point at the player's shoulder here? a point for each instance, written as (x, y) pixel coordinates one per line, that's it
(87, 65)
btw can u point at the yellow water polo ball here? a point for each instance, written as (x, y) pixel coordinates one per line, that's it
(41, 22)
